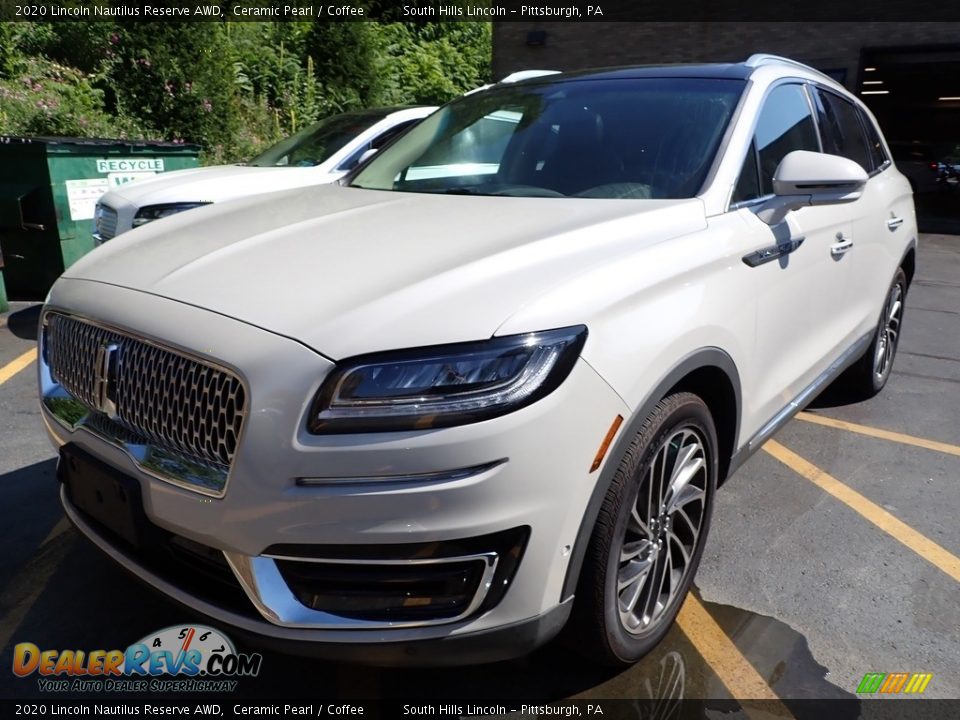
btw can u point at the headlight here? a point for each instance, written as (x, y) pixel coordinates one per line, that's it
(155, 212)
(444, 385)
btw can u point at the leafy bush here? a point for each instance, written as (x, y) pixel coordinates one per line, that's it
(235, 87)
(431, 63)
(46, 98)
(177, 78)
(345, 61)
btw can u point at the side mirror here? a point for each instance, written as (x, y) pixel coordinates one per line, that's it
(806, 178)
(367, 154)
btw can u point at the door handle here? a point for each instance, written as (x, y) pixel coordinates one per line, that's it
(842, 245)
(894, 222)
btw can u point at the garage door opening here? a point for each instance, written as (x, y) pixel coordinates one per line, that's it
(915, 94)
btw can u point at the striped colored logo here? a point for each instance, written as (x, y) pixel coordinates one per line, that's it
(891, 683)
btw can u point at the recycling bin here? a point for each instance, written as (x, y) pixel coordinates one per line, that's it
(49, 187)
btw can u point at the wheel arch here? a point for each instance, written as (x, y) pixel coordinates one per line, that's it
(909, 263)
(709, 373)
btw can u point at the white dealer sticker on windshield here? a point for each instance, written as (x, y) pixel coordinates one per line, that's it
(82, 195)
(130, 165)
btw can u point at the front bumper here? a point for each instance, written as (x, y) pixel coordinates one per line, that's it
(372, 490)
(381, 649)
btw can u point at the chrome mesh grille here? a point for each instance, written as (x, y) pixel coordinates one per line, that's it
(105, 221)
(172, 401)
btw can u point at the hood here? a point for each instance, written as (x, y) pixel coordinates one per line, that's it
(215, 184)
(348, 271)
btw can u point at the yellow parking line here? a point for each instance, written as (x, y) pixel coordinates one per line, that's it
(15, 366)
(897, 529)
(881, 434)
(725, 659)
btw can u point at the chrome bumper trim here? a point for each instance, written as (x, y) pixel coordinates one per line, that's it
(155, 461)
(270, 594)
(162, 464)
(414, 478)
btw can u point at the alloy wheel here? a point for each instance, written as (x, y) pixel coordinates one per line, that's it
(661, 536)
(889, 332)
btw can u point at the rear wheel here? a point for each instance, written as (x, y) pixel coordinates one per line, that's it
(868, 376)
(650, 533)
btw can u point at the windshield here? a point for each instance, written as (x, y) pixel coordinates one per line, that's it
(619, 138)
(318, 142)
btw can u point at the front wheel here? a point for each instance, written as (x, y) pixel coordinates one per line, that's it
(649, 534)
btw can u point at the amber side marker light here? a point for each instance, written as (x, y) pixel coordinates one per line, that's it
(605, 445)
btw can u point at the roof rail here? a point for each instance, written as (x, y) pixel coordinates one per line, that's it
(527, 74)
(515, 77)
(758, 59)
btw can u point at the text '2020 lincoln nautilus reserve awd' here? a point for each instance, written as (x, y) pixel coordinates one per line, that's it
(487, 386)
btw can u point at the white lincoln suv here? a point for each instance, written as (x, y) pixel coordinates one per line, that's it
(320, 153)
(485, 387)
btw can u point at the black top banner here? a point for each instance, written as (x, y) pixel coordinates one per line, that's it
(528, 11)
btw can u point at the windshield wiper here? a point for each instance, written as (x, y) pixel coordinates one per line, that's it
(450, 191)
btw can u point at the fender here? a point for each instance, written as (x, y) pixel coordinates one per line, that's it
(704, 357)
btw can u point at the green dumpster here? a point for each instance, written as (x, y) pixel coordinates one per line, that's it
(49, 187)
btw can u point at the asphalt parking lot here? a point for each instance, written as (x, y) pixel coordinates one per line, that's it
(833, 553)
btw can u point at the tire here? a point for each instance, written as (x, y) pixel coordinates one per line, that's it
(678, 433)
(870, 373)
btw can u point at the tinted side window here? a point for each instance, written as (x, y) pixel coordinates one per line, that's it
(878, 155)
(785, 124)
(375, 144)
(842, 132)
(748, 185)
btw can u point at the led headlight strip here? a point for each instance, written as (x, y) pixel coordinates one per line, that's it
(444, 385)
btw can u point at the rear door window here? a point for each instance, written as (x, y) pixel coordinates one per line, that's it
(878, 156)
(841, 130)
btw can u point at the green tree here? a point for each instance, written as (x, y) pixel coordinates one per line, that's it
(178, 79)
(431, 62)
(345, 61)
(9, 53)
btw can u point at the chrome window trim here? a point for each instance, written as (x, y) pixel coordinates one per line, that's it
(808, 88)
(865, 120)
(274, 600)
(63, 408)
(887, 164)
